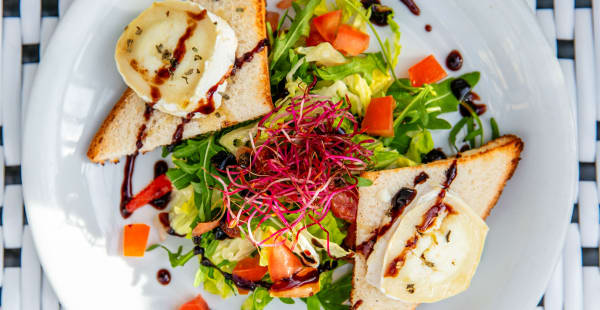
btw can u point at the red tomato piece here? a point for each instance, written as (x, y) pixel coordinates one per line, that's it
(273, 19)
(284, 4)
(283, 263)
(250, 269)
(327, 24)
(198, 303)
(158, 188)
(344, 204)
(135, 237)
(314, 38)
(426, 71)
(379, 118)
(351, 41)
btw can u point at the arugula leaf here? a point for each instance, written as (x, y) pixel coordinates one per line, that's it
(495, 130)
(299, 27)
(472, 78)
(471, 136)
(437, 123)
(333, 294)
(192, 159)
(454, 132)
(475, 117)
(470, 129)
(179, 178)
(287, 301)
(175, 258)
(362, 65)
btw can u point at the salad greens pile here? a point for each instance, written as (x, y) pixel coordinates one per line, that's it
(297, 69)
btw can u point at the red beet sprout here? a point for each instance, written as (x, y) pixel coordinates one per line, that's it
(301, 158)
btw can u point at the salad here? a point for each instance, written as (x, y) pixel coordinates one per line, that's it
(269, 206)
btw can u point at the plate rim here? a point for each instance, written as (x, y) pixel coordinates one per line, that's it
(65, 28)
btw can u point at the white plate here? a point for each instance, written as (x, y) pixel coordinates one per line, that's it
(73, 204)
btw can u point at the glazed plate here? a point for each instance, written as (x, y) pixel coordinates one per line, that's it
(73, 205)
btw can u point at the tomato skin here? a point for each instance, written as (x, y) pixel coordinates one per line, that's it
(284, 4)
(327, 25)
(344, 205)
(314, 38)
(351, 41)
(156, 189)
(198, 303)
(273, 19)
(250, 269)
(379, 118)
(283, 263)
(426, 71)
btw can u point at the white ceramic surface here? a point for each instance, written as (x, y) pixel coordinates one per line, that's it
(73, 205)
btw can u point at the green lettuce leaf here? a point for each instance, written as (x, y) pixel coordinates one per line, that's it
(286, 40)
(421, 144)
(183, 212)
(363, 65)
(258, 300)
(333, 225)
(323, 54)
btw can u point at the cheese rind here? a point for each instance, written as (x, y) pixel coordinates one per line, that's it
(200, 44)
(427, 265)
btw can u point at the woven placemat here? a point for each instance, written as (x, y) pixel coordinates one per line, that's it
(571, 26)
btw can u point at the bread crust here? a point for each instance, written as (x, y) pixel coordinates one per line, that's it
(505, 150)
(250, 97)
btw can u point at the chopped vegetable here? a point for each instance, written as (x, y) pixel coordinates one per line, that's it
(286, 40)
(327, 25)
(379, 119)
(197, 303)
(283, 264)
(272, 19)
(314, 37)
(426, 71)
(284, 4)
(135, 237)
(156, 189)
(249, 269)
(351, 41)
(344, 205)
(259, 299)
(323, 54)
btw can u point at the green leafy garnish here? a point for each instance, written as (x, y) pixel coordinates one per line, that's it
(333, 295)
(193, 167)
(364, 65)
(495, 130)
(362, 182)
(175, 258)
(286, 40)
(258, 300)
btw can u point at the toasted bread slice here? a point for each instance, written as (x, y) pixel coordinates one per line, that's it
(248, 92)
(481, 176)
